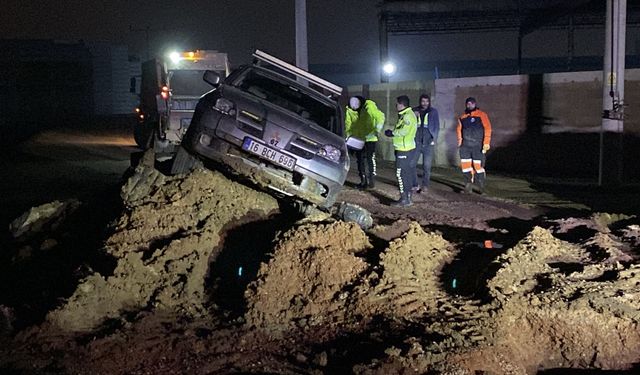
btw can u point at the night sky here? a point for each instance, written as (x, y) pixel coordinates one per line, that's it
(339, 31)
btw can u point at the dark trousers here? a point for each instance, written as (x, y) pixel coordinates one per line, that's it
(426, 150)
(404, 172)
(366, 159)
(472, 161)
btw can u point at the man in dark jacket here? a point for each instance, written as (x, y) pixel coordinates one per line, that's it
(426, 138)
(474, 138)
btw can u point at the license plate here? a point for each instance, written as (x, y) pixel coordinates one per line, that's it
(268, 153)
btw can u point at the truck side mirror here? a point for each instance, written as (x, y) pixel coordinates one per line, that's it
(211, 78)
(132, 85)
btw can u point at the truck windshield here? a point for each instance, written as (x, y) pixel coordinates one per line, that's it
(188, 83)
(288, 97)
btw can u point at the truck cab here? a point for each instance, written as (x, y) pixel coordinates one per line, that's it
(169, 91)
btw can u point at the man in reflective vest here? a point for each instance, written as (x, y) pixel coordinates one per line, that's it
(363, 120)
(426, 138)
(404, 143)
(474, 138)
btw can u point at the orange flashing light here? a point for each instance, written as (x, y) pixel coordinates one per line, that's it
(191, 56)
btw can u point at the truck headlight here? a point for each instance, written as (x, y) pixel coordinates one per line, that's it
(331, 153)
(225, 106)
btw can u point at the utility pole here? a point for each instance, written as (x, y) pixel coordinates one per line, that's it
(612, 126)
(302, 55)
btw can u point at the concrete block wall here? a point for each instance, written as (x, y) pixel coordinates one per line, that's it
(546, 124)
(542, 124)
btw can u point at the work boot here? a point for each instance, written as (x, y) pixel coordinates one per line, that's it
(363, 182)
(371, 183)
(404, 201)
(416, 189)
(480, 185)
(468, 188)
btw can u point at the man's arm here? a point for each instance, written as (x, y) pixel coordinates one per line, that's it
(434, 124)
(347, 122)
(487, 129)
(404, 126)
(376, 116)
(459, 132)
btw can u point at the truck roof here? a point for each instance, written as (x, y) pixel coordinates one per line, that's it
(198, 60)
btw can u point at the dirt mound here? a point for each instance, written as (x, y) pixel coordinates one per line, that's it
(329, 297)
(305, 283)
(315, 270)
(563, 305)
(408, 283)
(555, 305)
(163, 244)
(530, 257)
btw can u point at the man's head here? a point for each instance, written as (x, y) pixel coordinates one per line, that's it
(402, 102)
(425, 101)
(470, 103)
(356, 102)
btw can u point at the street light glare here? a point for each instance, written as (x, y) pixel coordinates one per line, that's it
(389, 68)
(175, 57)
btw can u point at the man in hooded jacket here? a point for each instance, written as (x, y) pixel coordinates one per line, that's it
(363, 120)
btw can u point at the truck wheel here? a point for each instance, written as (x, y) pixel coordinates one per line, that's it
(142, 134)
(330, 201)
(134, 158)
(305, 208)
(183, 162)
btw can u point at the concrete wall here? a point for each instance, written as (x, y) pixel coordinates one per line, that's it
(546, 124)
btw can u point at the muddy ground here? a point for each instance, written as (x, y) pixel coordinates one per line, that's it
(197, 273)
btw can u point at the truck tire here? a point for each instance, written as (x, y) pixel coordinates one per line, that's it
(143, 135)
(134, 158)
(330, 201)
(183, 162)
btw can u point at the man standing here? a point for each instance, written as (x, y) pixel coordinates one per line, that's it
(363, 120)
(474, 137)
(426, 138)
(404, 143)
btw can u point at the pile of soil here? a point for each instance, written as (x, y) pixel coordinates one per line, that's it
(306, 280)
(553, 305)
(163, 245)
(330, 297)
(407, 284)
